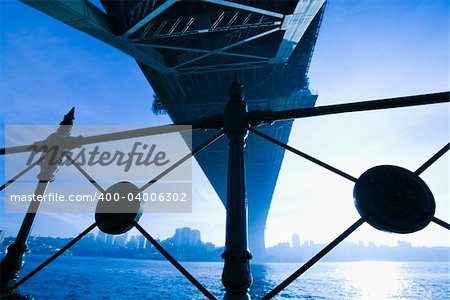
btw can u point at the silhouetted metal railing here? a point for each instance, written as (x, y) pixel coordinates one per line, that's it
(353, 227)
(235, 123)
(104, 138)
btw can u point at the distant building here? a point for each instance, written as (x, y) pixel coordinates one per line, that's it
(101, 237)
(109, 239)
(281, 249)
(141, 242)
(308, 243)
(403, 245)
(90, 236)
(194, 237)
(132, 243)
(295, 241)
(121, 240)
(2, 235)
(186, 237)
(209, 247)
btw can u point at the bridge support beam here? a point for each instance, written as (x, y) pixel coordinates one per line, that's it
(236, 276)
(256, 238)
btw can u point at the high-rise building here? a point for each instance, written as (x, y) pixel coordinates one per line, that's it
(109, 239)
(186, 237)
(132, 243)
(141, 242)
(120, 240)
(295, 241)
(101, 237)
(194, 237)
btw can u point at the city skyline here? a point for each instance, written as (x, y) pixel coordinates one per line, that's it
(186, 245)
(383, 50)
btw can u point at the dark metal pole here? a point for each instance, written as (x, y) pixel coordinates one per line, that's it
(432, 160)
(173, 261)
(85, 174)
(23, 172)
(13, 261)
(257, 117)
(183, 159)
(54, 256)
(441, 223)
(304, 155)
(236, 276)
(313, 260)
(213, 122)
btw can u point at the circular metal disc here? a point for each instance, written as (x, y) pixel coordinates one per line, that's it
(119, 207)
(394, 199)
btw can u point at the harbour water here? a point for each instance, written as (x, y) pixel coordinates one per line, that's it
(112, 278)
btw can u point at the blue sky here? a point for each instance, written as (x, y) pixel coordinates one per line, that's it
(366, 50)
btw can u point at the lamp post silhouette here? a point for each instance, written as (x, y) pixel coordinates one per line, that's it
(236, 276)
